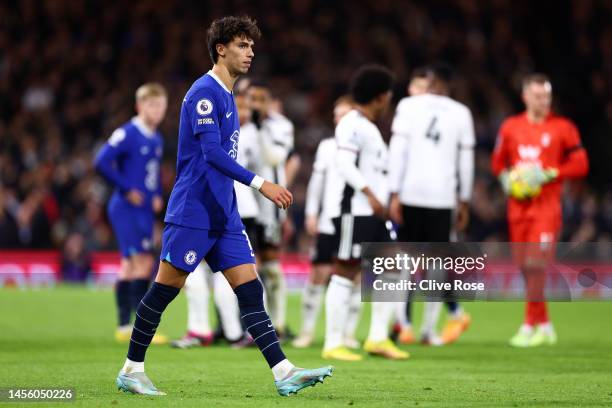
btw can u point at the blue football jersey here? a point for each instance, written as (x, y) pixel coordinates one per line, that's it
(130, 159)
(203, 195)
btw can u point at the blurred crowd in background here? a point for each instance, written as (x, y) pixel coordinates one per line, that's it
(69, 69)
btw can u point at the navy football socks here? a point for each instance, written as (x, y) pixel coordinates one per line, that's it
(123, 298)
(148, 316)
(257, 321)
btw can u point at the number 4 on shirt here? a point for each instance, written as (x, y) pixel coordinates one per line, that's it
(433, 133)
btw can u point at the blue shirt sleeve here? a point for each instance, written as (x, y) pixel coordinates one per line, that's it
(106, 159)
(205, 114)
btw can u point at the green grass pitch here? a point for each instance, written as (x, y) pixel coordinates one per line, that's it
(64, 338)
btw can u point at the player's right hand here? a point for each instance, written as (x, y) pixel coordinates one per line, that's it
(135, 197)
(377, 207)
(395, 210)
(279, 195)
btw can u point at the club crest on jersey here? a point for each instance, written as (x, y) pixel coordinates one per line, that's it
(190, 257)
(545, 141)
(204, 107)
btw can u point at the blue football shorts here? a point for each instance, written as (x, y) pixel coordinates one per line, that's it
(133, 227)
(185, 247)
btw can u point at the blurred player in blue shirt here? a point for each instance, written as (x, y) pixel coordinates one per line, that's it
(202, 220)
(130, 162)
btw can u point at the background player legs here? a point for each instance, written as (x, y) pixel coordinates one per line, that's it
(431, 312)
(142, 268)
(134, 278)
(534, 254)
(337, 303)
(403, 316)
(536, 328)
(276, 289)
(354, 313)
(198, 320)
(123, 298)
(312, 298)
(227, 306)
(198, 295)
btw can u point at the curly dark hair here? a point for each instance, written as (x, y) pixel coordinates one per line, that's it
(224, 30)
(369, 82)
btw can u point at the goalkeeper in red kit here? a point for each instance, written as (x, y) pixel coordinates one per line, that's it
(535, 151)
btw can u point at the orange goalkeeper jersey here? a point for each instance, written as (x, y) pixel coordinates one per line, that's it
(553, 143)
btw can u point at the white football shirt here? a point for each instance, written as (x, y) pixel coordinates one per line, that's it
(275, 139)
(358, 137)
(318, 195)
(248, 152)
(431, 152)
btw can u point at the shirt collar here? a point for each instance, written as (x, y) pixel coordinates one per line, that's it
(216, 78)
(142, 127)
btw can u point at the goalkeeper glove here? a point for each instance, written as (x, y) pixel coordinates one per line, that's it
(526, 182)
(535, 176)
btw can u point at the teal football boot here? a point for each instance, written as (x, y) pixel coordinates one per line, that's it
(299, 378)
(137, 383)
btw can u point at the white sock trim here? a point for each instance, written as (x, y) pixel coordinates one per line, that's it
(282, 369)
(132, 366)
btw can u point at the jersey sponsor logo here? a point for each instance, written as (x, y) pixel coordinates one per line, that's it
(206, 121)
(117, 137)
(529, 153)
(234, 150)
(204, 107)
(190, 257)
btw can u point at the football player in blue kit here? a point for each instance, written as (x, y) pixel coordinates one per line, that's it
(202, 220)
(130, 162)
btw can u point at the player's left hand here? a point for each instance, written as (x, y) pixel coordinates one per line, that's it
(463, 216)
(158, 204)
(279, 195)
